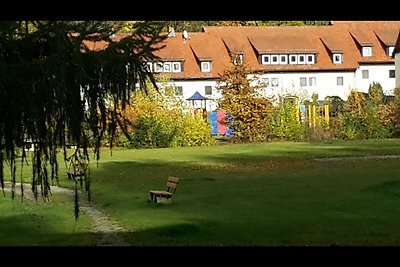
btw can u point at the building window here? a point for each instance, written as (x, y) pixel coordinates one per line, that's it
(310, 59)
(391, 74)
(301, 59)
(208, 90)
(337, 58)
(158, 67)
(390, 50)
(266, 59)
(367, 51)
(339, 80)
(283, 59)
(312, 81)
(293, 59)
(205, 66)
(167, 66)
(303, 81)
(275, 59)
(274, 82)
(265, 82)
(176, 67)
(365, 74)
(179, 90)
(149, 66)
(238, 59)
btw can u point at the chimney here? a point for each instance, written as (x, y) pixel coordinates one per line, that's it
(171, 31)
(185, 35)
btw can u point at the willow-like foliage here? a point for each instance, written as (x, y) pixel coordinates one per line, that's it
(58, 82)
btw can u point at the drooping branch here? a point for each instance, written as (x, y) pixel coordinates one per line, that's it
(57, 80)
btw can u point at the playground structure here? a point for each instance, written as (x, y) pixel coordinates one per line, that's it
(311, 114)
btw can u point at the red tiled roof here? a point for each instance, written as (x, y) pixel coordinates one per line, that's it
(95, 45)
(198, 47)
(282, 44)
(387, 36)
(233, 44)
(332, 44)
(216, 42)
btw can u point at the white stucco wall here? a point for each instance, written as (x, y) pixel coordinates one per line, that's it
(289, 84)
(325, 84)
(377, 73)
(190, 87)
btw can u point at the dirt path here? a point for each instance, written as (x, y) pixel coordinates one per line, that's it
(359, 158)
(111, 232)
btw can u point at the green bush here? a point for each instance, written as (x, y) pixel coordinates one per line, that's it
(285, 124)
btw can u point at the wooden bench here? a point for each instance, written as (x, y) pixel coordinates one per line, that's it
(158, 195)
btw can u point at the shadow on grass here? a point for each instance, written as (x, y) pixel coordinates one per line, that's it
(16, 232)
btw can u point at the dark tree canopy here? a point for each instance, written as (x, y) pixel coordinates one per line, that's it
(60, 84)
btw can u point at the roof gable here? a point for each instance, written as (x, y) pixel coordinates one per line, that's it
(387, 36)
(282, 44)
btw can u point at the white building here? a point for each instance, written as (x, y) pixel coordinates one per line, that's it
(291, 60)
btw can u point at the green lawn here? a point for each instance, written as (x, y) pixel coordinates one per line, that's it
(41, 223)
(245, 195)
(256, 194)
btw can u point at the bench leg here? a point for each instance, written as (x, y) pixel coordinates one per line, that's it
(153, 197)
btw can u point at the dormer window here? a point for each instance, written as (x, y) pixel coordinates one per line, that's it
(176, 67)
(149, 66)
(283, 59)
(205, 66)
(274, 59)
(293, 59)
(238, 59)
(367, 51)
(337, 58)
(158, 67)
(301, 59)
(167, 67)
(390, 50)
(266, 59)
(310, 59)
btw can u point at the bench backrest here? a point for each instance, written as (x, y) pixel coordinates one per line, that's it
(172, 183)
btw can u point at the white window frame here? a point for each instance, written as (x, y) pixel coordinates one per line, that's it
(149, 66)
(290, 59)
(178, 65)
(205, 66)
(390, 51)
(367, 51)
(299, 57)
(167, 67)
(303, 81)
(205, 89)
(339, 81)
(312, 81)
(265, 82)
(158, 67)
(274, 82)
(367, 74)
(337, 58)
(238, 60)
(283, 62)
(274, 59)
(266, 59)
(178, 92)
(312, 61)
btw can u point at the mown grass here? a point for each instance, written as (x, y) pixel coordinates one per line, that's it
(270, 194)
(50, 223)
(256, 194)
